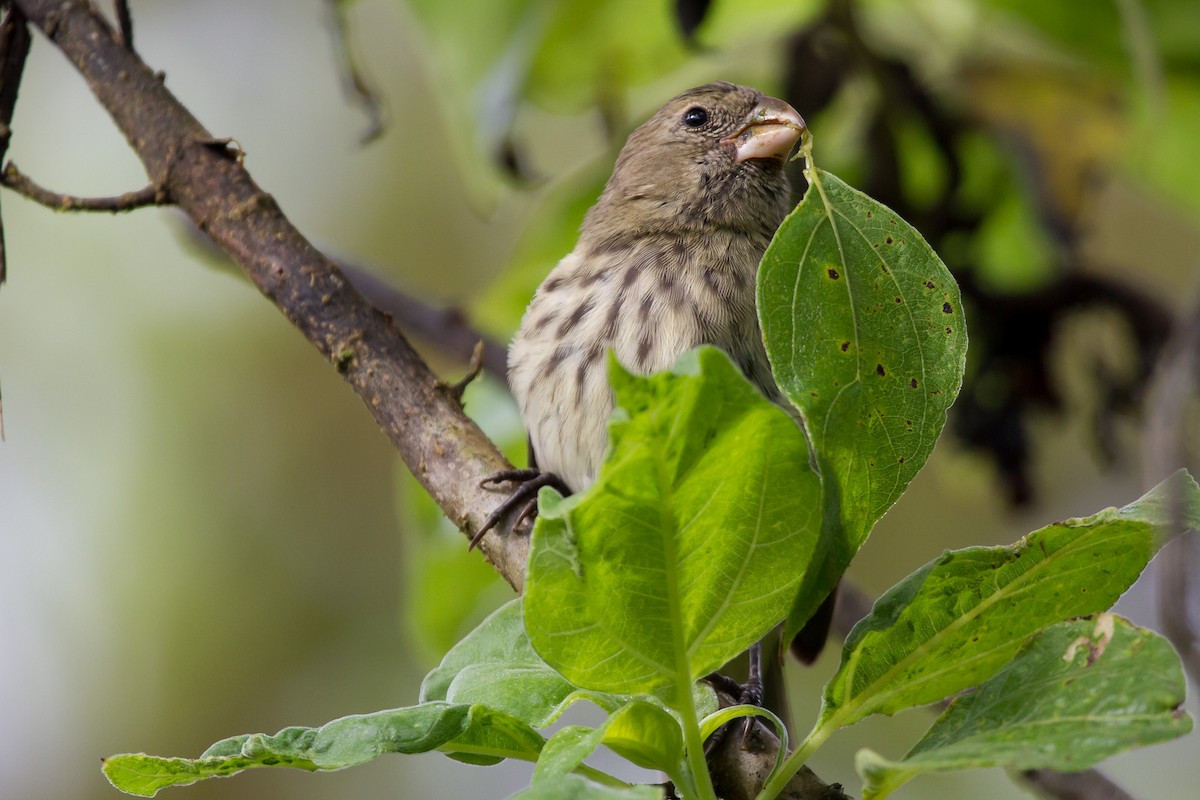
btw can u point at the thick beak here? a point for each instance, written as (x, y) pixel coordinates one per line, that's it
(771, 131)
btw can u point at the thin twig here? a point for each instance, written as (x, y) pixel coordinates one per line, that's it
(354, 79)
(124, 23)
(445, 327)
(14, 48)
(22, 184)
(474, 367)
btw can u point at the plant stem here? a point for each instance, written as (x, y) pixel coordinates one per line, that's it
(795, 761)
(693, 742)
(600, 777)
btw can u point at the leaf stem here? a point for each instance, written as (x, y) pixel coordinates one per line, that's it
(694, 745)
(779, 780)
(693, 742)
(600, 777)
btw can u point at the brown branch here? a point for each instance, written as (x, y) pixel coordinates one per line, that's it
(444, 448)
(447, 328)
(740, 771)
(14, 48)
(444, 327)
(1086, 785)
(22, 184)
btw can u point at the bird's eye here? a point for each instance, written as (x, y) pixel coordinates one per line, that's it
(695, 116)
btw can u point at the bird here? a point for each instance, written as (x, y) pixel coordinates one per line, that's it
(666, 260)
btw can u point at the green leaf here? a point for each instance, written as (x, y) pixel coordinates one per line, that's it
(689, 544)
(713, 722)
(564, 751)
(641, 732)
(958, 619)
(648, 736)
(473, 733)
(576, 787)
(864, 327)
(496, 666)
(1080, 692)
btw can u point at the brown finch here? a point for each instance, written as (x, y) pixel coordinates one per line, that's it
(666, 261)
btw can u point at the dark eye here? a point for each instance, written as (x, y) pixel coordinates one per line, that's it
(695, 116)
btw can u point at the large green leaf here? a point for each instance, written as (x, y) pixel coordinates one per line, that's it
(690, 543)
(864, 327)
(472, 733)
(958, 619)
(1080, 692)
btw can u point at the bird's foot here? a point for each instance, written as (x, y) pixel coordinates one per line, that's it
(749, 693)
(528, 483)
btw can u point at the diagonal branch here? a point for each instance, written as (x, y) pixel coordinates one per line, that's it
(445, 449)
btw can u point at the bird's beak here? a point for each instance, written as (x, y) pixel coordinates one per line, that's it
(771, 131)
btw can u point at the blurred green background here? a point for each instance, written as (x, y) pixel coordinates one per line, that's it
(203, 532)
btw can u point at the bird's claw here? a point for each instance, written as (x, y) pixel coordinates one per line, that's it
(524, 496)
(749, 693)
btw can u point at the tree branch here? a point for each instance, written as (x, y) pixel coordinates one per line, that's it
(445, 327)
(22, 184)
(446, 450)
(1167, 446)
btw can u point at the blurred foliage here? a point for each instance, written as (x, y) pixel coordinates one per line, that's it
(494, 58)
(997, 128)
